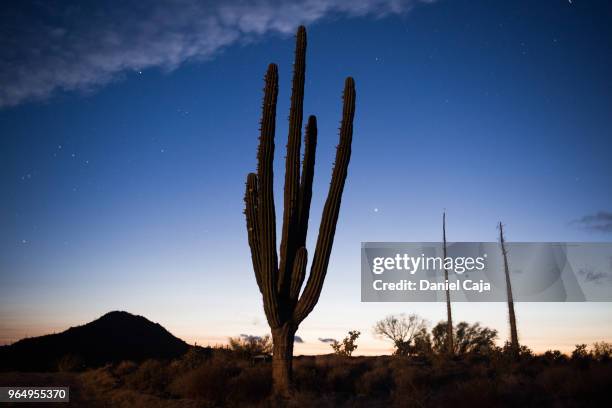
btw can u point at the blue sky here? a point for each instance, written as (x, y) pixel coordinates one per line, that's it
(127, 135)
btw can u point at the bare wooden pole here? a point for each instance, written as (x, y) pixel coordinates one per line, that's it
(450, 347)
(514, 344)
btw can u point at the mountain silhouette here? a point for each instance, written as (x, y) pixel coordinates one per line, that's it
(114, 337)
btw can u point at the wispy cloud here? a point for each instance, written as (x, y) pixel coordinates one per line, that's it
(601, 221)
(326, 340)
(46, 46)
(250, 337)
(598, 277)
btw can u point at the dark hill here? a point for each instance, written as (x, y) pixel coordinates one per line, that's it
(114, 337)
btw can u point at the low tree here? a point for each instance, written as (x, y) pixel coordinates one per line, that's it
(467, 338)
(522, 353)
(347, 346)
(554, 356)
(401, 330)
(249, 346)
(602, 351)
(422, 345)
(580, 353)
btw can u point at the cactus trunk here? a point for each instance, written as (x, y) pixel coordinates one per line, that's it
(280, 281)
(282, 359)
(514, 344)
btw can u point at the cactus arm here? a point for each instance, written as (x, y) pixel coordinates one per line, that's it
(305, 197)
(266, 216)
(250, 211)
(292, 165)
(327, 229)
(299, 272)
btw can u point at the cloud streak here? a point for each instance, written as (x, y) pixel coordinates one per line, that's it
(58, 45)
(600, 222)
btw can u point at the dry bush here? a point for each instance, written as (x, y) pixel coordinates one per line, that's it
(209, 381)
(98, 383)
(251, 385)
(321, 381)
(309, 399)
(376, 381)
(471, 392)
(249, 346)
(556, 381)
(348, 345)
(151, 377)
(306, 374)
(580, 353)
(602, 351)
(339, 378)
(69, 363)
(194, 357)
(406, 392)
(99, 376)
(124, 368)
(512, 386)
(126, 398)
(554, 356)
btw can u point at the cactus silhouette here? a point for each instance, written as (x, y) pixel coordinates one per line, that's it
(449, 319)
(280, 282)
(514, 344)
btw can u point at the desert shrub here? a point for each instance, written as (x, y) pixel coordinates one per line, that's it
(406, 392)
(554, 356)
(376, 381)
(466, 338)
(70, 362)
(597, 383)
(306, 373)
(124, 368)
(401, 330)
(251, 385)
(347, 346)
(308, 399)
(525, 352)
(602, 351)
(469, 392)
(248, 346)
(194, 357)
(556, 381)
(99, 380)
(580, 353)
(422, 344)
(340, 378)
(473, 380)
(151, 377)
(586, 386)
(208, 381)
(514, 387)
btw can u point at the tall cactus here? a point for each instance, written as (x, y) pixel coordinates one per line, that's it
(514, 344)
(450, 347)
(280, 282)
